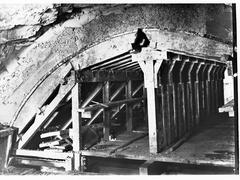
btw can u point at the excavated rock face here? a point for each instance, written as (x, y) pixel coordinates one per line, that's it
(34, 38)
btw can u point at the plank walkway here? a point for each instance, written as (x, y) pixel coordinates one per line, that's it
(213, 144)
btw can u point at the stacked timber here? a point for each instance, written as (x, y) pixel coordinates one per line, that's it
(59, 141)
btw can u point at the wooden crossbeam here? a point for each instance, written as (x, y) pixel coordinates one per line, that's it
(123, 105)
(108, 75)
(110, 104)
(43, 154)
(114, 95)
(41, 162)
(41, 119)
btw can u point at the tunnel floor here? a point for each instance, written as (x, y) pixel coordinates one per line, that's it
(210, 150)
(211, 144)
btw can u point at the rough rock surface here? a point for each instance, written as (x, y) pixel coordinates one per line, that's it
(34, 38)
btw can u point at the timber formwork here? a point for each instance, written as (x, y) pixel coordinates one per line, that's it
(168, 92)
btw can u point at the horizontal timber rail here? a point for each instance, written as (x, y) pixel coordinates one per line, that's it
(111, 104)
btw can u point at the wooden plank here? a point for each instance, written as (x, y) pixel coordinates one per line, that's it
(42, 154)
(110, 104)
(77, 125)
(129, 109)
(50, 144)
(39, 162)
(54, 133)
(50, 120)
(106, 112)
(43, 117)
(145, 167)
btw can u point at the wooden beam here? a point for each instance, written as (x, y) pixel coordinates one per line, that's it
(110, 61)
(39, 162)
(50, 119)
(43, 117)
(120, 65)
(43, 154)
(55, 133)
(137, 89)
(151, 104)
(110, 104)
(114, 95)
(129, 109)
(123, 105)
(145, 167)
(108, 75)
(77, 125)
(117, 92)
(96, 91)
(106, 112)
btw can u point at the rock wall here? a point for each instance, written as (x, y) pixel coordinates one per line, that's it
(34, 38)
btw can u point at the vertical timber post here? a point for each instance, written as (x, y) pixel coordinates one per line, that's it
(197, 99)
(76, 124)
(171, 104)
(208, 90)
(182, 100)
(106, 113)
(129, 109)
(190, 97)
(151, 105)
(150, 61)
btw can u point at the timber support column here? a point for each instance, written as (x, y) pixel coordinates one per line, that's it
(150, 61)
(171, 104)
(196, 92)
(77, 125)
(190, 95)
(181, 99)
(208, 90)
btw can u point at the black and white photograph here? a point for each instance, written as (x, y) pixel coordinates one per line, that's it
(123, 88)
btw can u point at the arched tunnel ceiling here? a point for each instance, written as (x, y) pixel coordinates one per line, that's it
(91, 34)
